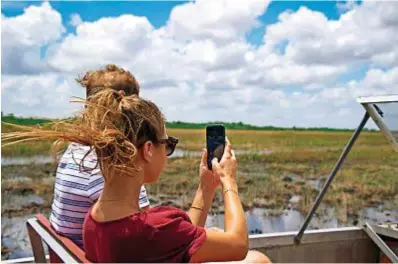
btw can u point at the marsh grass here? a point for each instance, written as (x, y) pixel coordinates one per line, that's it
(279, 140)
(309, 143)
(271, 180)
(368, 177)
(40, 147)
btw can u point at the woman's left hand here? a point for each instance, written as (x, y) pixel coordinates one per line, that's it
(209, 181)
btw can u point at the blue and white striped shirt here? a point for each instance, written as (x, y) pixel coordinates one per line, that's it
(76, 189)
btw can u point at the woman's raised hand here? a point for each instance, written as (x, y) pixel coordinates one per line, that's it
(209, 181)
(226, 169)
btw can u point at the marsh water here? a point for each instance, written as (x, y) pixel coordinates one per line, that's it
(178, 153)
(21, 205)
(15, 240)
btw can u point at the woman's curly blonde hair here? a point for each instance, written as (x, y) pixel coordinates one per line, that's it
(112, 124)
(111, 76)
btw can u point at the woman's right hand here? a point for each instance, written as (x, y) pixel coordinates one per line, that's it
(226, 169)
(233, 243)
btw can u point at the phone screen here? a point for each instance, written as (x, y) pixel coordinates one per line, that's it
(215, 142)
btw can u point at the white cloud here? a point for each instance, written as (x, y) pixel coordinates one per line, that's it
(376, 82)
(22, 37)
(344, 6)
(75, 20)
(365, 33)
(199, 67)
(45, 95)
(314, 86)
(108, 40)
(221, 21)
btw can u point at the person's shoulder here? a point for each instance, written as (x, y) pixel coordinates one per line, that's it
(76, 147)
(76, 152)
(164, 213)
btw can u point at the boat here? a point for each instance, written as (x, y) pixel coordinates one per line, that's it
(359, 244)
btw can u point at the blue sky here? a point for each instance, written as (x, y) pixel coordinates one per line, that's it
(320, 57)
(158, 11)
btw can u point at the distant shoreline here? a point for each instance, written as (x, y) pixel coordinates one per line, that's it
(10, 118)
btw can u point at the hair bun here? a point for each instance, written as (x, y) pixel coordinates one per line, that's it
(120, 95)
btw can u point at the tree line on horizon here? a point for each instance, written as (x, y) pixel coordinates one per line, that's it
(11, 118)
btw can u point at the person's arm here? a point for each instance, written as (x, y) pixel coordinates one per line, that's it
(200, 207)
(232, 244)
(204, 195)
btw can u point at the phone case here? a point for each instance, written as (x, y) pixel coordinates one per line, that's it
(215, 143)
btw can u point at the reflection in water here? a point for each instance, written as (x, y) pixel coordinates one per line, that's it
(316, 184)
(291, 220)
(218, 152)
(16, 202)
(178, 153)
(380, 216)
(6, 161)
(253, 222)
(14, 236)
(258, 219)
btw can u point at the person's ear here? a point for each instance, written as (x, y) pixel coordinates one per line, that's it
(147, 151)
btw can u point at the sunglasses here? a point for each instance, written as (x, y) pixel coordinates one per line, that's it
(171, 143)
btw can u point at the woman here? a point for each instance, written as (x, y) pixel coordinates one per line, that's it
(131, 143)
(77, 187)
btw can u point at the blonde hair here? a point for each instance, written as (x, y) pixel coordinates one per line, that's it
(111, 76)
(114, 125)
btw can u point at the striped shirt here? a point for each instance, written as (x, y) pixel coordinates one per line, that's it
(77, 187)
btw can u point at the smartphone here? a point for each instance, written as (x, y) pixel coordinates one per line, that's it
(215, 143)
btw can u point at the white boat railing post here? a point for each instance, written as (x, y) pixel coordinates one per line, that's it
(297, 238)
(37, 244)
(40, 232)
(380, 243)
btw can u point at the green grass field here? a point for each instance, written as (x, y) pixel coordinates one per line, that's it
(194, 139)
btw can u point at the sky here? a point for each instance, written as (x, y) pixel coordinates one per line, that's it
(261, 62)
